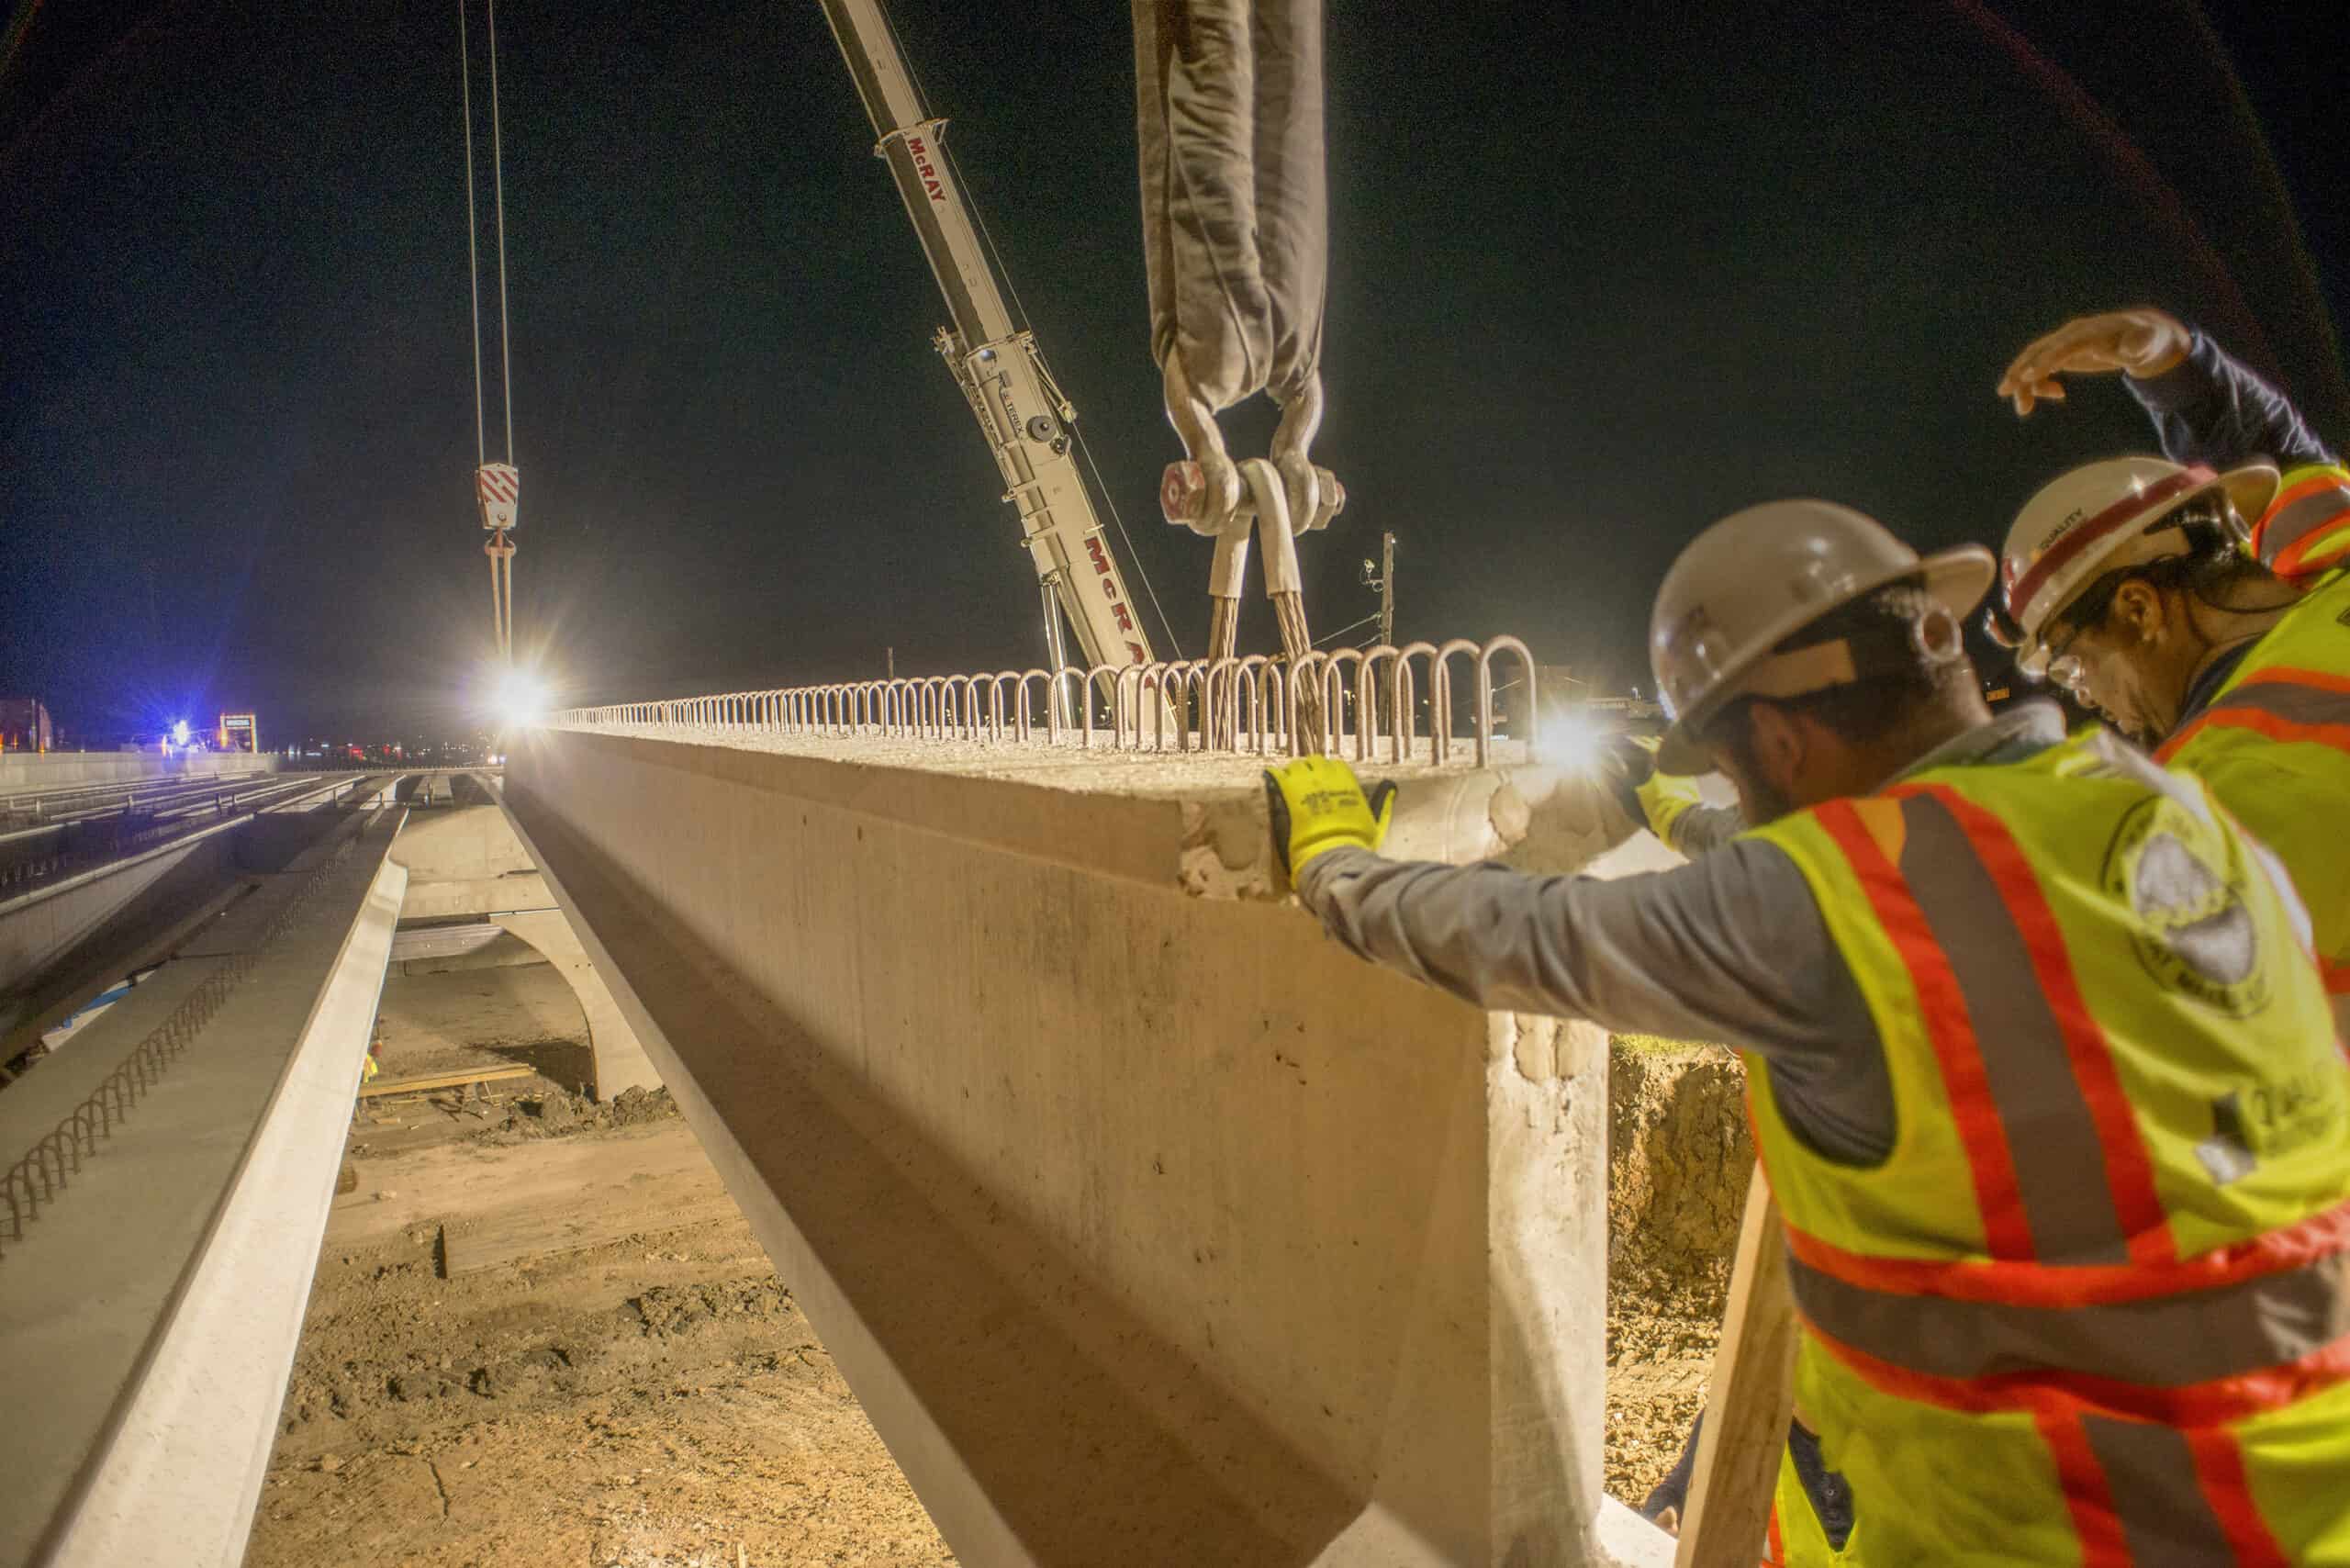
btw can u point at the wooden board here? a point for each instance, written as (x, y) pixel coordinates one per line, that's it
(1728, 1513)
(447, 1081)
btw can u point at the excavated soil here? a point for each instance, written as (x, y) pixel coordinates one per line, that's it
(540, 1334)
(659, 1400)
(1679, 1158)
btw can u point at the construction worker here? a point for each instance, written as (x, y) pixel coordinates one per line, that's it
(2208, 409)
(2040, 1069)
(2137, 584)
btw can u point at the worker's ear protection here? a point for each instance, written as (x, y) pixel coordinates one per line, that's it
(1936, 637)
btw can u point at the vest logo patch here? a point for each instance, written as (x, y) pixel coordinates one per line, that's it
(2194, 932)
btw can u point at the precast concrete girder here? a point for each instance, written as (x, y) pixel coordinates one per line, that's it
(151, 1296)
(1148, 1225)
(466, 861)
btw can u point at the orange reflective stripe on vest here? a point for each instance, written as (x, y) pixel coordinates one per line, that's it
(2182, 1498)
(1967, 917)
(2093, 1306)
(2306, 528)
(2282, 703)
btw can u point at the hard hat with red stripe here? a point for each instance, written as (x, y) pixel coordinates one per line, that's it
(2100, 518)
(1759, 576)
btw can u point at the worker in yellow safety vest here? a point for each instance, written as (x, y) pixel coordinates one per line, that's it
(2207, 613)
(2040, 1067)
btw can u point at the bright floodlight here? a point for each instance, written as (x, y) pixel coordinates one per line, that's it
(1573, 740)
(519, 699)
(179, 732)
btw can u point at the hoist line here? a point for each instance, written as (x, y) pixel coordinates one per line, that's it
(472, 230)
(497, 176)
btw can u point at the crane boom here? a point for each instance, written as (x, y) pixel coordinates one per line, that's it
(1024, 416)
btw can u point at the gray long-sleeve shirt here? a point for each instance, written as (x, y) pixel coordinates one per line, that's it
(1731, 946)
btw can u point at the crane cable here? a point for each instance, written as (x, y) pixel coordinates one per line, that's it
(1020, 310)
(498, 548)
(498, 179)
(472, 231)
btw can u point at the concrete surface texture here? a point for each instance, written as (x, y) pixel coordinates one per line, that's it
(464, 862)
(148, 1315)
(56, 769)
(1149, 1226)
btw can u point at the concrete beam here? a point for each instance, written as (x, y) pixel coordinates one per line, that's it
(466, 861)
(38, 928)
(25, 772)
(1150, 1227)
(149, 1314)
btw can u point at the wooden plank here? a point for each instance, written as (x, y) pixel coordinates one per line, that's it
(1728, 1513)
(447, 1079)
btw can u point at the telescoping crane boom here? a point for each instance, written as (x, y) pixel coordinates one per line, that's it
(1025, 417)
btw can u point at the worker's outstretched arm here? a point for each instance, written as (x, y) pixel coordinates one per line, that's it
(2209, 409)
(1729, 947)
(2206, 405)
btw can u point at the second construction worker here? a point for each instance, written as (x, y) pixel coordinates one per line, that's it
(2040, 1070)
(2202, 601)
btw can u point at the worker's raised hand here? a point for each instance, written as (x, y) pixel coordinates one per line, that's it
(1648, 796)
(2142, 343)
(1317, 804)
(1627, 765)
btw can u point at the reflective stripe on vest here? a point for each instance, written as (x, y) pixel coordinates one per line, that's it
(2108, 1255)
(2283, 703)
(2152, 1497)
(2273, 745)
(2307, 528)
(2017, 1056)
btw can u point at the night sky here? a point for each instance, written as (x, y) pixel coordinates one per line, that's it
(1599, 275)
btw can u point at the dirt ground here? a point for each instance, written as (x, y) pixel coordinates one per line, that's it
(486, 1379)
(1679, 1157)
(501, 1003)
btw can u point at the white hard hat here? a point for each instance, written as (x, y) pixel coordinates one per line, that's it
(1758, 576)
(2096, 518)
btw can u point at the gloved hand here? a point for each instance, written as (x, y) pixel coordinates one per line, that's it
(1317, 804)
(2144, 342)
(1646, 795)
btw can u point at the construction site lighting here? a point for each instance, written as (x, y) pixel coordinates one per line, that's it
(1573, 740)
(520, 698)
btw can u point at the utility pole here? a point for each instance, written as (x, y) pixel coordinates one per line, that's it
(1384, 581)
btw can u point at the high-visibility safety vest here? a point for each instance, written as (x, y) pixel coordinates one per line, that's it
(2273, 744)
(2094, 1307)
(2305, 533)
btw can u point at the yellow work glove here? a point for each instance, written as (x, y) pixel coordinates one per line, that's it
(1317, 804)
(1646, 795)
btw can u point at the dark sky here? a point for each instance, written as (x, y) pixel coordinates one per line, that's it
(1599, 275)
